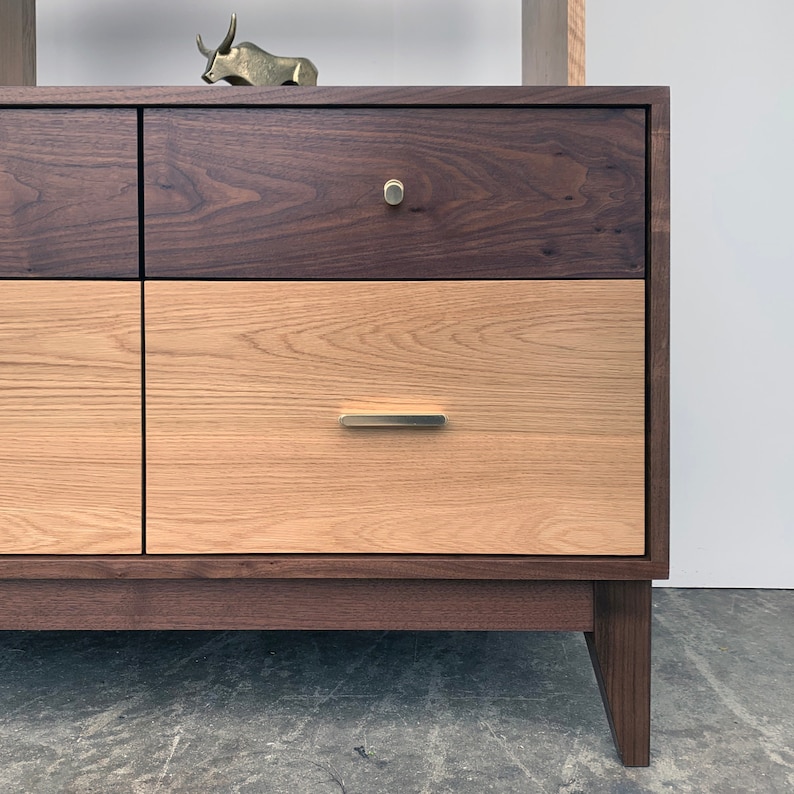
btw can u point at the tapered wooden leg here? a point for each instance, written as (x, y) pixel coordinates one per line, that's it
(620, 648)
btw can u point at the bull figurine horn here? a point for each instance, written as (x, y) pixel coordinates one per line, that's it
(226, 44)
(205, 51)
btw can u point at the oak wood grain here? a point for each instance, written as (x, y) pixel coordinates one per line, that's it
(576, 42)
(542, 381)
(70, 417)
(489, 192)
(293, 604)
(68, 193)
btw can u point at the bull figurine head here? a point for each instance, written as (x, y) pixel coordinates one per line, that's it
(247, 64)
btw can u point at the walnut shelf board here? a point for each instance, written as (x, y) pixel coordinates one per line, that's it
(70, 417)
(543, 383)
(321, 96)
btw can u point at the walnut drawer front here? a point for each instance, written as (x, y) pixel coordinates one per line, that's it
(542, 381)
(68, 192)
(489, 192)
(70, 417)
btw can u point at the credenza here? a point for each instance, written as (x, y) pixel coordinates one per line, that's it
(338, 358)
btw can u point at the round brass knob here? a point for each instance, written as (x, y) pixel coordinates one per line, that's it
(394, 192)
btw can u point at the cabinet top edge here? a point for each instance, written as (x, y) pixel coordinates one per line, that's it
(313, 96)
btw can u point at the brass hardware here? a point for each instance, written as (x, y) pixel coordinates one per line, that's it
(247, 64)
(393, 420)
(394, 192)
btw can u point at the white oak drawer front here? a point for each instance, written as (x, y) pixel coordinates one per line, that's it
(70, 417)
(542, 383)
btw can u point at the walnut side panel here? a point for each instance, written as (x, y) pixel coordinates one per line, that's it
(489, 193)
(70, 417)
(295, 604)
(68, 193)
(543, 383)
(658, 339)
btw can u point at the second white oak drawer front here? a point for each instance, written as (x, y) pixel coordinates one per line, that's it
(542, 383)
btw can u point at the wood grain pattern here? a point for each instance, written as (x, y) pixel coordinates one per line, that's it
(332, 566)
(324, 96)
(658, 339)
(576, 42)
(489, 193)
(552, 42)
(68, 193)
(70, 418)
(543, 383)
(292, 604)
(620, 648)
(17, 42)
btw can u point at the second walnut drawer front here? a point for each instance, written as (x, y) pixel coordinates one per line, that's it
(542, 383)
(488, 192)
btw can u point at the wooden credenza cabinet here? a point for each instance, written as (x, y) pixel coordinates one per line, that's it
(196, 284)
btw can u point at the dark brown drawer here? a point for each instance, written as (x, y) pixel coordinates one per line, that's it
(68, 193)
(489, 192)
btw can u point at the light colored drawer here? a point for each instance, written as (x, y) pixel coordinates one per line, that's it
(70, 417)
(543, 384)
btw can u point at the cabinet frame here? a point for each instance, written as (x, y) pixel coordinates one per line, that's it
(606, 597)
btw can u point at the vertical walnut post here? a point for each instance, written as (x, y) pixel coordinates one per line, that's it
(17, 42)
(553, 47)
(552, 42)
(620, 649)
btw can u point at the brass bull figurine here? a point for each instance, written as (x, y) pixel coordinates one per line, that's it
(247, 64)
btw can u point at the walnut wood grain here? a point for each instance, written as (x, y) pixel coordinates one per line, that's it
(620, 648)
(489, 193)
(658, 339)
(330, 566)
(293, 604)
(70, 417)
(68, 193)
(323, 96)
(542, 382)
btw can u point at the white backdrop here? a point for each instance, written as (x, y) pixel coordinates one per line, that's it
(731, 72)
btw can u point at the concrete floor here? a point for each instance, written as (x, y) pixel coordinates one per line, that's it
(370, 712)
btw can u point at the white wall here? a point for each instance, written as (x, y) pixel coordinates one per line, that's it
(731, 72)
(352, 42)
(730, 65)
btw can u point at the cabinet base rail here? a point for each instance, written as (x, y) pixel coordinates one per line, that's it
(614, 615)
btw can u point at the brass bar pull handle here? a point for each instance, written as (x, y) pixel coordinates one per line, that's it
(393, 420)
